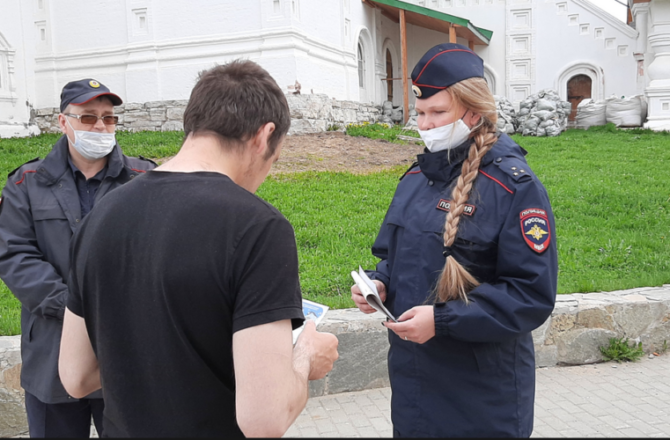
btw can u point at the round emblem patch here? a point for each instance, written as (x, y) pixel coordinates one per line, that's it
(535, 229)
(417, 91)
(94, 84)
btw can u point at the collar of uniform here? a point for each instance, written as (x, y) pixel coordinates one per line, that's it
(56, 162)
(115, 162)
(443, 165)
(504, 146)
(99, 176)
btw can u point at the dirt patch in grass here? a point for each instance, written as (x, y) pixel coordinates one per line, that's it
(335, 151)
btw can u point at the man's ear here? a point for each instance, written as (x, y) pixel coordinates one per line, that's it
(61, 122)
(261, 140)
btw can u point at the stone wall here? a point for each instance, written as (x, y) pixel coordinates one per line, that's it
(580, 323)
(309, 114)
(572, 335)
(12, 411)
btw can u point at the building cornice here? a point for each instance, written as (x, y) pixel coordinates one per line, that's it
(175, 50)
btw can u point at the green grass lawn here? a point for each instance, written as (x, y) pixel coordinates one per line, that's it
(609, 189)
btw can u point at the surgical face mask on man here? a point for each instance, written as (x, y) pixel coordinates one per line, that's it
(445, 137)
(92, 145)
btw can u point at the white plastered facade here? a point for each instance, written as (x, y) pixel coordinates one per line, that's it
(151, 50)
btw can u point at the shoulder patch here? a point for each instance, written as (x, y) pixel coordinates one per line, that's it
(535, 229)
(514, 167)
(17, 168)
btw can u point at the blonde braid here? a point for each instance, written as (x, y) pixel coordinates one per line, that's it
(455, 281)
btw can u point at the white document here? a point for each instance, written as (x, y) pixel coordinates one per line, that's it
(313, 311)
(369, 290)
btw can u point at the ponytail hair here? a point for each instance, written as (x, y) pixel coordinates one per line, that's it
(473, 94)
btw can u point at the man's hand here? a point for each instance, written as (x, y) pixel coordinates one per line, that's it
(360, 301)
(415, 325)
(271, 375)
(321, 350)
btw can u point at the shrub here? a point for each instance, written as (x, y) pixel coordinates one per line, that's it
(619, 350)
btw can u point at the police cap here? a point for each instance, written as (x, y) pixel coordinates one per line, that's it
(442, 66)
(82, 91)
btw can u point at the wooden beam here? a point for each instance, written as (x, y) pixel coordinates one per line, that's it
(471, 45)
(390, 16)
(403, 56)
(452, 33)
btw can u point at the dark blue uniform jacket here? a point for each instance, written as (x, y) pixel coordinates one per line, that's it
(476, 377)
(40, 210)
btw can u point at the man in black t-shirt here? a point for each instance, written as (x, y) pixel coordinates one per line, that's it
(184, 284)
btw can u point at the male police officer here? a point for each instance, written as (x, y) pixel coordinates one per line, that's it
(43, 203)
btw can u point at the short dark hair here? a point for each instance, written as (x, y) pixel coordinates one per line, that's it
(233, 101)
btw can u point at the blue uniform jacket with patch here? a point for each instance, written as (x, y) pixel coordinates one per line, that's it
(39, 212)
(476, 377)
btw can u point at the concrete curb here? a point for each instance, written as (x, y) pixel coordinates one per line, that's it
(572, 335)
(578, 326)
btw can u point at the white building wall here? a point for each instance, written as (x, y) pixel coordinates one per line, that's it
(487, 14)
(584, 40)
(16, 69)
(151, 50)
(541, 44)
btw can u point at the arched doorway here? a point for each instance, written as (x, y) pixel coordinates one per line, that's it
(579, 88)
(389, 74)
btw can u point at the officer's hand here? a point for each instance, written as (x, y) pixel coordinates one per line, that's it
(361, 303)
(321, 348)
(415, 325)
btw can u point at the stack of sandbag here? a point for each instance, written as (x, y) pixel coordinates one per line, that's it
(626, 112)
(411, 121)
(591, 112)
(387, 111)
(543, 114)
(507, 122)
(396, 115)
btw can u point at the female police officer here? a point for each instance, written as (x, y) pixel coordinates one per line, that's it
(468, 264)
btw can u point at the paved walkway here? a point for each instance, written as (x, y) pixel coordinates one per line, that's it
(601, 400)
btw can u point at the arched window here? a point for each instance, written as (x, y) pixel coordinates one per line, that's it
(6, 68)
(365, 61)
(389, 74)
(361, 67)
(491, 78)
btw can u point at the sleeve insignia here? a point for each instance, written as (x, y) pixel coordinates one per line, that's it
(535, 229)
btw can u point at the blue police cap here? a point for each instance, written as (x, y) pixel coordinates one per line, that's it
(82, 91)
(442, 66)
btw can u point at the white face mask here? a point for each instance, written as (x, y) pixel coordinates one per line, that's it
(445, 137)
(92, 145)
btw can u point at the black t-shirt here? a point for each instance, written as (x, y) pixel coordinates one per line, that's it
(164, 270)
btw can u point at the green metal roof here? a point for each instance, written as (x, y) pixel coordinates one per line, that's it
(484, 35)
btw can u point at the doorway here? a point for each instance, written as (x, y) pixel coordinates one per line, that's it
(579, 88)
